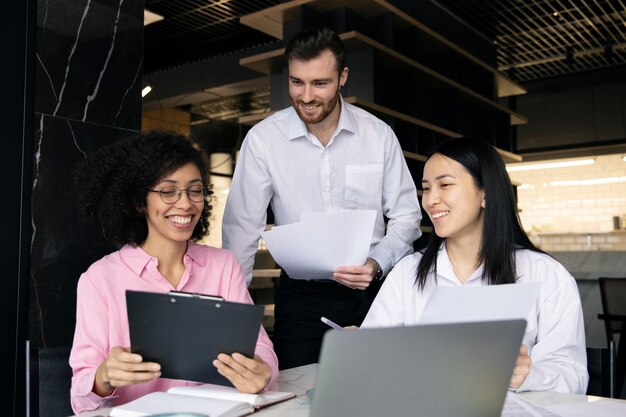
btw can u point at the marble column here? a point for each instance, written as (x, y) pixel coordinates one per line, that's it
(221, 178)
(88, 75)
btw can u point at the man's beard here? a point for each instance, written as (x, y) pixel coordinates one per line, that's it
(326, 108)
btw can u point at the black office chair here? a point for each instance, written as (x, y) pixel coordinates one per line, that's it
(48, 382)
(601, 368)
(613, 295)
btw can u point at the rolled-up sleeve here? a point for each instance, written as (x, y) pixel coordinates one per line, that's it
(399, 205)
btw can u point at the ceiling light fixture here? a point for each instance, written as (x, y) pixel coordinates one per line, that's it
(149, 17)
(592, 181)
(624, 158)
(548, 165)
(145, 91)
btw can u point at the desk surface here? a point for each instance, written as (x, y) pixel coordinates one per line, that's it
(299, 380)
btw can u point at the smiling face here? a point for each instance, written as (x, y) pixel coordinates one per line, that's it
(452, 200)
(175, 222)
(314, 87)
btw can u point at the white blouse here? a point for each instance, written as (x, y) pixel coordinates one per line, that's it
(555, 332)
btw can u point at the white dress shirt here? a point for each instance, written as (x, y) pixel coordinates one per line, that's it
(555, 332)
(362, 167)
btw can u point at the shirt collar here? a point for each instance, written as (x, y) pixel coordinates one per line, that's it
(137, 259)
(196, 253)
(444, 267)
(297, 128)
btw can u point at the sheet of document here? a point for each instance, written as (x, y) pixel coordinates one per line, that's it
(469, 304)
(601, 407)
(515, 406)
(322, 241)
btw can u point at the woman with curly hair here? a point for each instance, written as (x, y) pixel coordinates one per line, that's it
(479, 240)
(149, 194)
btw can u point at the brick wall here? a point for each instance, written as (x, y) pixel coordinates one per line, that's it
(573, 199)
(555, 242)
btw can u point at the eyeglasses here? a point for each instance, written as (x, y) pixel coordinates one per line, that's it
(171, 194)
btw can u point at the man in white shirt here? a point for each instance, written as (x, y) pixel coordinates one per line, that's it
(320, 154)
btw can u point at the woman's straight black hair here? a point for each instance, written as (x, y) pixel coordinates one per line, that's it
(502, 231)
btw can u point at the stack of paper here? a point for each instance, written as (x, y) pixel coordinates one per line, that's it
(321, 242)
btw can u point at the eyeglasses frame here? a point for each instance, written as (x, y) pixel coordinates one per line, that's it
(205, 193)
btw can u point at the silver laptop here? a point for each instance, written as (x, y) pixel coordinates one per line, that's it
(440, 370)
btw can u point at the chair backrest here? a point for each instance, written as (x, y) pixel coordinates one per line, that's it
(613, 294)
(601, 364)
(48, 382)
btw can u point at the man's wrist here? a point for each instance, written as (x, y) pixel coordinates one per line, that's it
(378, 274)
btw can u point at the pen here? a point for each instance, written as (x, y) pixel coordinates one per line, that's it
(330, 323)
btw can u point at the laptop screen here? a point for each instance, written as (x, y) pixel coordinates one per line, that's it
(426, 370)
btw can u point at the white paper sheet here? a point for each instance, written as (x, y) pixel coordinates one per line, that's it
(485, 303)
(322, 241)
(598, 408)
(515, 406)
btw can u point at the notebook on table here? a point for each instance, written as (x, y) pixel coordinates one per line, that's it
(185, 332)
(436, 370)
(207, 399)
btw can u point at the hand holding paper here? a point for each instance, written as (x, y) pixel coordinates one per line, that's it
(358, 276)
(521, 369)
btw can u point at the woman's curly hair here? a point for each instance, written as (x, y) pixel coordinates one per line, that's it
(112, 182)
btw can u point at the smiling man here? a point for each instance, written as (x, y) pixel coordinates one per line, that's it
(320, 154)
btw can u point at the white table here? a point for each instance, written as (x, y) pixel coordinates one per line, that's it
(299, 380)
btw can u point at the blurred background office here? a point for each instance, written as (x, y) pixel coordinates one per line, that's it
(543, 81)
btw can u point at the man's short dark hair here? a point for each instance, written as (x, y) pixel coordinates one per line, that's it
(310, 43)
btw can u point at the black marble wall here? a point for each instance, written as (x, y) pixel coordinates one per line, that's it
(88, 76)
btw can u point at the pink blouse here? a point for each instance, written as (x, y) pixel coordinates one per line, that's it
(101, 319)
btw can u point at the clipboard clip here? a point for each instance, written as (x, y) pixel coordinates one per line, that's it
(194, 295)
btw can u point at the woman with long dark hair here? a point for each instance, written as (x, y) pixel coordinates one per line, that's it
(149, 195)
(479, 240)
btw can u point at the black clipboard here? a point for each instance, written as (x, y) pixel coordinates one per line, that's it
(185, 332)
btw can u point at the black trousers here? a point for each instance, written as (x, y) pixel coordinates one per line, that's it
(299, 305)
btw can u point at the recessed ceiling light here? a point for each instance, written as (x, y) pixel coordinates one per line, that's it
(146, 90)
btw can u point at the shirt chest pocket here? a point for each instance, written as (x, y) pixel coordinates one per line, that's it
(364, 183)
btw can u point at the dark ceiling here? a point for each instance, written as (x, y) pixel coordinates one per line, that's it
(535, 39)
(196, 29)
(547, 38)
